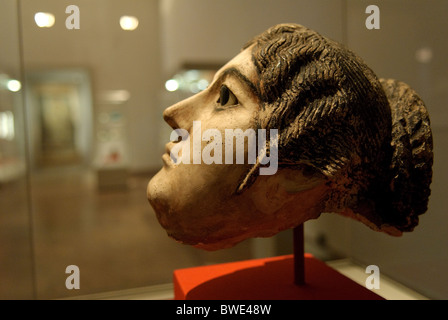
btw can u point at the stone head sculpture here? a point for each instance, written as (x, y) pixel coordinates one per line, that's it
(334, 139)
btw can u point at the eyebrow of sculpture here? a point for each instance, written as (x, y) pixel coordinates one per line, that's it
(236, 73)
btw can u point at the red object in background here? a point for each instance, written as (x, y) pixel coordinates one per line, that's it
(267, 279)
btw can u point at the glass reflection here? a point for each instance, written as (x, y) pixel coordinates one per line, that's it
(16, 256)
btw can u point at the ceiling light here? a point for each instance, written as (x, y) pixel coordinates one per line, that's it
(172, 85)
(44, 19)
(13, 85)
(128, 23)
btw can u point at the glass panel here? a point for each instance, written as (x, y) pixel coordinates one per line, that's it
(410, 46)
(97, 82)
(16, 260)
(94, 101)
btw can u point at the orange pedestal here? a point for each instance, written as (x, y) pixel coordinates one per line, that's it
(267, 279)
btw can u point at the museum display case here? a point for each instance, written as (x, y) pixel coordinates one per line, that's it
(83, 89)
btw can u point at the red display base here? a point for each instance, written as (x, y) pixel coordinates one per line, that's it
(267, 279)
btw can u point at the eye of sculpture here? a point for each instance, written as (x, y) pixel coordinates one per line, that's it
(226, 97)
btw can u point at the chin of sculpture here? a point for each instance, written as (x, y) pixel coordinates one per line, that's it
(345, 142)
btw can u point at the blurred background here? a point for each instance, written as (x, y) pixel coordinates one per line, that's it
(81, 134)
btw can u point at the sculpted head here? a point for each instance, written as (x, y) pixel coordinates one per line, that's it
(294, 126)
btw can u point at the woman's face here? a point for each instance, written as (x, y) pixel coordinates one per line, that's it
(195, 200)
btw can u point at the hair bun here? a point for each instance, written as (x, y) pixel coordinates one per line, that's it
(412, 155)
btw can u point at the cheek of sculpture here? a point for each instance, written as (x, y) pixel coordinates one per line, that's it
(194, 202)
(207, 213)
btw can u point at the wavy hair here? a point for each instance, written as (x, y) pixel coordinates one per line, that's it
(369, 137)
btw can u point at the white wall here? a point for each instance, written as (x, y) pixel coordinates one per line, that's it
(214, 31)
(9, 57)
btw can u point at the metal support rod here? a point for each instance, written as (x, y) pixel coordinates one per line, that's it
(299, 259)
